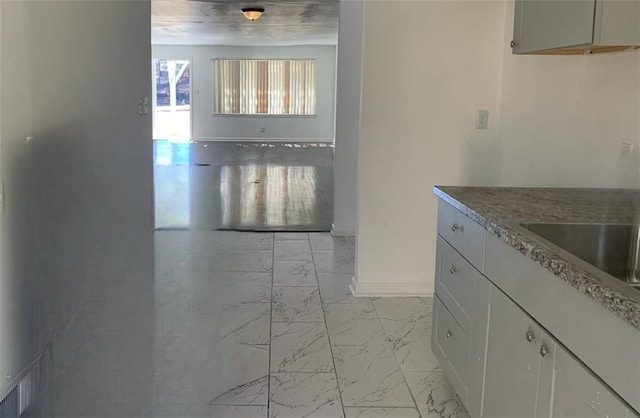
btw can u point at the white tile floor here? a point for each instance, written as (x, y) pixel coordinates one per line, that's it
(264, 325)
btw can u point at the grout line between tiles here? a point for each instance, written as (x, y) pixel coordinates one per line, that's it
(273, 251)
(335, 369)
(393, 352)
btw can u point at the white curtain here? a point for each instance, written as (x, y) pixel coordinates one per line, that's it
(271, 87)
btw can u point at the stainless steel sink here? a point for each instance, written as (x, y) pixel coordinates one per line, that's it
(612, 248)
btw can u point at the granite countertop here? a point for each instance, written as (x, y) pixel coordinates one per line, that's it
(500, 209)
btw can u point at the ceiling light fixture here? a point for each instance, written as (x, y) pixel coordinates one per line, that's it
(252, 13)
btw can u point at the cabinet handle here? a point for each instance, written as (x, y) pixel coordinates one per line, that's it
(544, 350)
(454, 227)
(530, 335)
(453, 270)
(449, 334)
(513, 44)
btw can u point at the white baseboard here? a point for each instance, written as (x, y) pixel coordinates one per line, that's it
(288, 140)
(343, 230)
(360, 289)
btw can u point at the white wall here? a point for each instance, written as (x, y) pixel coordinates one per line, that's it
(427, 67)
(17, 338)
(79, 212)
(348, 113)
(563, 118)
(555, 121)
(206, 125)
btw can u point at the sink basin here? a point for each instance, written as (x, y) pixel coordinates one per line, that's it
(612, 248)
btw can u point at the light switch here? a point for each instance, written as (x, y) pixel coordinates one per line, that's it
(143, 106)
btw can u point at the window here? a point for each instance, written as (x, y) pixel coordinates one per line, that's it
(265, 87)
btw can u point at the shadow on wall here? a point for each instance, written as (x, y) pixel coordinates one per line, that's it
(92, 297)
(481, 162)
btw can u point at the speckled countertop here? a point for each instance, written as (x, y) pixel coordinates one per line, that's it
(499, 210)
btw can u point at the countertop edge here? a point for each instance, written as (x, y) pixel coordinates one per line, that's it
(610, 298)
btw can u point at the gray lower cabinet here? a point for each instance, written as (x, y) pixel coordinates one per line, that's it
(529, 374)
(451, 348)
(578, 393)
(497, 356)
(513, 360)
(460, 315)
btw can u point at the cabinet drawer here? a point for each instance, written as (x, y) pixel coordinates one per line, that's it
(456, 280)
(451, 346)
(462, 233)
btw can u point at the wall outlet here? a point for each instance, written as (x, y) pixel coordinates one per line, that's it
(482, 119)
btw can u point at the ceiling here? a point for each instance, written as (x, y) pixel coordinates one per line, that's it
(220, 22)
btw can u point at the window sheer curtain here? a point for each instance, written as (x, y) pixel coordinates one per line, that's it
(269, 87)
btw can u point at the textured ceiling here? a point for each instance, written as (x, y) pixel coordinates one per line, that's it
(220, 22)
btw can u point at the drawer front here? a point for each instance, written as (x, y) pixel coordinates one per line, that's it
(462, 233)
(451, 346)
(456, 280)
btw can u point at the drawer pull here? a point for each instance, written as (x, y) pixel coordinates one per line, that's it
(530, 335)
(454, 227)
(544, 350)
(453, 270)
(449, 334)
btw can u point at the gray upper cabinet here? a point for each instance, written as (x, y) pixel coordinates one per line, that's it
(575, 26)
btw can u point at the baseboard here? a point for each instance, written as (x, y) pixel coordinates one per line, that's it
(360, 289)
(267, 140)
(343, 230)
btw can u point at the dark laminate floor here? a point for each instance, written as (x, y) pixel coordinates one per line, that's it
(243, 186)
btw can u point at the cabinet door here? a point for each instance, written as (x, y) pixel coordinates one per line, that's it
(578, 393)
(511, 376)
(551, 24)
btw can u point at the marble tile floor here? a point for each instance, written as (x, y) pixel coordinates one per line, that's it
(264, 325)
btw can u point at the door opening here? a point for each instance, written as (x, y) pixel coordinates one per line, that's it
(171, 100)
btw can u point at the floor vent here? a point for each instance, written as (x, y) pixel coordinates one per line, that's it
(22, 399)
(26, 391)
(9, 406)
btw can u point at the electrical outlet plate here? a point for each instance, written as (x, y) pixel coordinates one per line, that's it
(482, 119)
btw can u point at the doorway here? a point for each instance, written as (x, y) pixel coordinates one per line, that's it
(171, 100)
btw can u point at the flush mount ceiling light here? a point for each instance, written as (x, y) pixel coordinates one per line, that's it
(252, 13)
